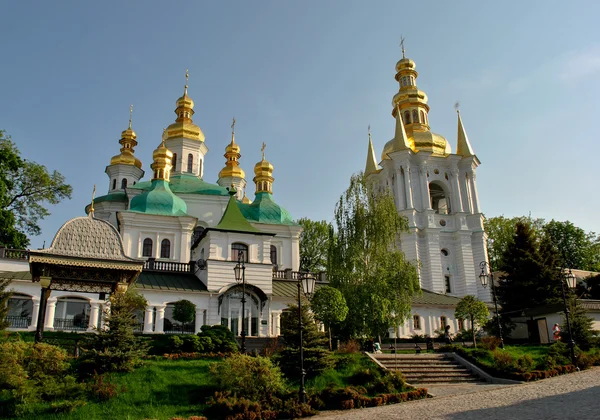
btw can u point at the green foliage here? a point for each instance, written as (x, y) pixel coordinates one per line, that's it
(314, 243)
(254, 378)
(581, 326)
(4, 298)
(311, 336)
(217, 338)
(33, 373)
(474, 310)
(576, 248)
(316, 361)
(524, 363)
(184, 311)
(329, 306)
(115, 348)
(366, 263)
(531, 276)
(26, 190)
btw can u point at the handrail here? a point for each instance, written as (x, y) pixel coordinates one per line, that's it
(14, 254)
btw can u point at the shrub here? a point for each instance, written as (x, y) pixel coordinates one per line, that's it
(489, 343)
(503, 361)
(350, 346)
(221, 339)
(103, 390)
(66, 406)
(450, 348)
(316, 361)
(184, 311)
(559, 353)
(524, 363)
(251, 377)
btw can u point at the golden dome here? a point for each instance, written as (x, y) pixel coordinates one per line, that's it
(422, 141)
(128, 142)
(232, 156)
(184, 125)
(405, 63)
(162, 162)
(263, 172)
(245, 199)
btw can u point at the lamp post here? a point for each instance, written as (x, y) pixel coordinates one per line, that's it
(485, 278)
(570, 280)
(306, 283)
(240, 277)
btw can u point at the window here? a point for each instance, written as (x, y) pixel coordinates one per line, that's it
(147, 248)
(236, 248)
(165, 249)
(422, 117)
(415, 116)
(124, 183)
(174, 162)
(406, 117)
(190, 167)
(416, 322)
(445, 252)
(114, 184)
(443, 322)
(197, 232)
(461, 324)
(447, 284)
(439, 201)
(273, 255)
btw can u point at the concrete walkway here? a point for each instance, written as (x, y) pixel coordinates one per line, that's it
(566, 397)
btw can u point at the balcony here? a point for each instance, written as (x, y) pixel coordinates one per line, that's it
(14, 254)
(71, 324)
(18, 322)
(169, 266)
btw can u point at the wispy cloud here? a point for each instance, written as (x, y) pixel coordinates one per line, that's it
(580, 64)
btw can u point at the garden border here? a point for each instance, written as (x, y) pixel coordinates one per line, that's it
(477, 370)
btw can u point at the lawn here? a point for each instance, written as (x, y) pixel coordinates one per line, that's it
(162, 389)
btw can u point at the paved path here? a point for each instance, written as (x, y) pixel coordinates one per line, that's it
(566, 397)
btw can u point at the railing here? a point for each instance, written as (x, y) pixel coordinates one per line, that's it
(180, 329)
(288, 274)
(175, 267)
(18, 321)
(71, 324)
(14, 254)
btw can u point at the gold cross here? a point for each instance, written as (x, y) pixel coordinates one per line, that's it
(130, 114)
(233, 126)
(402, 45)
(369, 131)
(262, 149)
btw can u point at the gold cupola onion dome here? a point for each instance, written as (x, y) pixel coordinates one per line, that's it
(232, 155)
(128, 142)
(263, 172)
(162, 165)
(184, 125)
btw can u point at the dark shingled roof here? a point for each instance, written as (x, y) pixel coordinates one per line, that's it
(155, 280)
(431, 298)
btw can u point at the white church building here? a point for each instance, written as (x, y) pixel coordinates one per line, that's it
(187, 233)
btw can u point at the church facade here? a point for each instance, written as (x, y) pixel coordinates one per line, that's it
(190, 234)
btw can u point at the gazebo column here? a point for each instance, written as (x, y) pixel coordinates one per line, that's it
(199, 320)
(50, 311)
(160, 320)
(45, 294)
(94, 312)
(35, 313)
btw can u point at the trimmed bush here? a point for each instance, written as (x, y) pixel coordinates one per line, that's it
(503, 361)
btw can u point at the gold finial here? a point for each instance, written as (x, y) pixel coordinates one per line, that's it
(187, 76)
(92, 205)
(233, 126)
(130, 114)
(369, 131)
(456, 105)
(402, 45)
(262, 149)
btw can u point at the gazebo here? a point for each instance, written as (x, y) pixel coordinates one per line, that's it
(86, 255)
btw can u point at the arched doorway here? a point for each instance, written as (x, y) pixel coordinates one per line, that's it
(440, 201)
(20, 308)
(72, 314)
(230, 309)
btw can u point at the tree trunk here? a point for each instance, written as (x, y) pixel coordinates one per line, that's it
(473, 332)
(329, 329)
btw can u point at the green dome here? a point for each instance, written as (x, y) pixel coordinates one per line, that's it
(264, 210)
(159, 199)
(187, 184)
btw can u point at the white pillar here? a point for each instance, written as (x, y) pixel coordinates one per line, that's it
(50, 310)
(148, 315)
(34, 314)
(94, 311)
(407, 187)
(399, 184)
(160, 320)
(456, 196)
(199, 320)
(474, 196)
(465, 194)
(426, 201)
(277, 324)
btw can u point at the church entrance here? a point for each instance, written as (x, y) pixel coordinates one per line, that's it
(232, 316)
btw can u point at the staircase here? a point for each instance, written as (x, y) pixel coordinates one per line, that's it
(427, 368)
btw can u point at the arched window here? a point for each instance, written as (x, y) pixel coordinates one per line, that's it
(238, 247)
(439, 201)
(273, 255)
(415, 116)
(443, 322)
(124, 183)
(406, 117)
(445, 252)
(174, 162)
(190, 167)
(147, 248)
(165, 249)
(114, 184)
(422, 117)
(416, 322)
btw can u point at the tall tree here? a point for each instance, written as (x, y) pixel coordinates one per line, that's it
(366, 263)
(531, 277)
(329, 306)
(474, 310)
(26, 189)
(576, 248)
(314, 243)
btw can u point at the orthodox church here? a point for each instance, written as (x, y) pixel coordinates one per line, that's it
(179, 237)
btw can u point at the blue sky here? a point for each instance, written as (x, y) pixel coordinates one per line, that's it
(307, 78)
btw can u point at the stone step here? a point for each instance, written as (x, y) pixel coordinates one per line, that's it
(437, 375)
(419, 365)
(432, 370)
(445, 381)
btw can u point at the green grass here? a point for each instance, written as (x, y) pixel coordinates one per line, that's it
(537, 352)
(162, 389)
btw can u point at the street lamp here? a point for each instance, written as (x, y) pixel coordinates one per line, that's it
(570, 280)
(306, 283)
(240, 276)
(485, 278)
